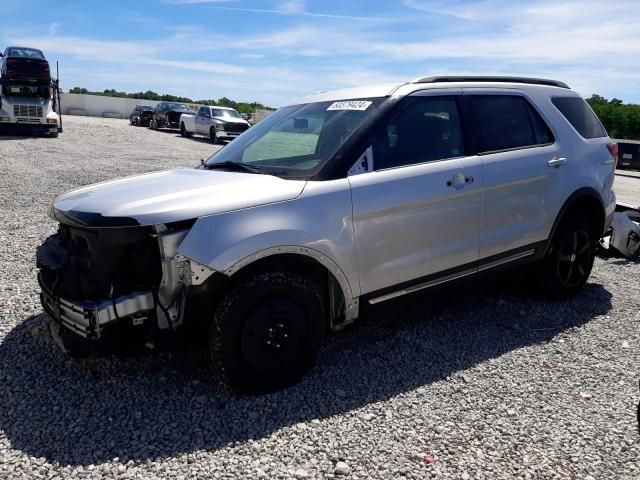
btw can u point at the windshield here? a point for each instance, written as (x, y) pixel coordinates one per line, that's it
(25, 53)
(297, 140)
(35, 91)
(220, 112)
(180, 106)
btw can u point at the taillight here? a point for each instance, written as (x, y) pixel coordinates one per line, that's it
(613, 150)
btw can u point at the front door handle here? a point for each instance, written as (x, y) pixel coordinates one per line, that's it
(556, 162)
(458, 181)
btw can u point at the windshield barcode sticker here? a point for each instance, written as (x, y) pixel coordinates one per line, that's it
(350, 105)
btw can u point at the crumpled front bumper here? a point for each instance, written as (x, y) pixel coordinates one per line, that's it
(88, 318)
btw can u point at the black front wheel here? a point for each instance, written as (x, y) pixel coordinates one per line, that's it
(212, 135)
(568, 264)
(267, 331)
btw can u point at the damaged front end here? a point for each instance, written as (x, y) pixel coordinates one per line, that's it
(94, 278)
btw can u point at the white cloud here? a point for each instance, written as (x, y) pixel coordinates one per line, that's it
(193, 2)
(53, 28)
(292, 6)
(301, 13)
(251, 55)
(123, 53)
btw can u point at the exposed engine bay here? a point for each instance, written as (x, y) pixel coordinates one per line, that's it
(93, 277)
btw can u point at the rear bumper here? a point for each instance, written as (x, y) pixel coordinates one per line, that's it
(609, 211)
(88, 318)
(628, 165)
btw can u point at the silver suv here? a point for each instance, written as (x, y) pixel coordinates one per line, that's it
(344, 198)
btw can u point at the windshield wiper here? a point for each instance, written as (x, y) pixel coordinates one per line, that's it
(233, 166)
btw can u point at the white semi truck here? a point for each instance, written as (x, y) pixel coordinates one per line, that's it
(29, 97)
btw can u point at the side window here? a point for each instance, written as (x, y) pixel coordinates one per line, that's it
(424, 130)
(503, 122)
(540, 129)
(201, 111)
(576, 110)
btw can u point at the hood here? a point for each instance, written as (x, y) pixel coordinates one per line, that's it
(170, 196)
(233, 120)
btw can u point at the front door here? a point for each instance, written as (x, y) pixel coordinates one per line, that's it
(417, 215)
(201, 121)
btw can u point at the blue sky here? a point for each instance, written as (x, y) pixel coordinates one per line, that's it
(274, 51)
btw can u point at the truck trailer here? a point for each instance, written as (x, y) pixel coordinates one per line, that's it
(29, 96)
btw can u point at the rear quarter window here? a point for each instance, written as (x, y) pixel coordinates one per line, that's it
(580, 116)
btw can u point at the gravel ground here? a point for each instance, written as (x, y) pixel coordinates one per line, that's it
(498, 384)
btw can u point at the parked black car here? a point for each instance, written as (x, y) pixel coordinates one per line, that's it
(25, 64)
(628, 154)
(141, 115)
(167, 115)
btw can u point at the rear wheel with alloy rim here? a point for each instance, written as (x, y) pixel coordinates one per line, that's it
(569, 261)
(267, 331)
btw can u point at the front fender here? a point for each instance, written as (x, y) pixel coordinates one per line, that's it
(318, 224)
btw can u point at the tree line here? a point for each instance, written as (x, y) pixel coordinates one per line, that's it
(621, 120)
(242, 107)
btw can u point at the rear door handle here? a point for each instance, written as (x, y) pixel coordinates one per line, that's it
(556, 162)
(459, 180)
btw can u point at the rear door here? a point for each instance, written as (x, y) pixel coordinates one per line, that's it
(417, 215)
(524, 170)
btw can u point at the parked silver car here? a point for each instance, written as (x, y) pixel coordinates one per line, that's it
(217, 123)
(348, 197)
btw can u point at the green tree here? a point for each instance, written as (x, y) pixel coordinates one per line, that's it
(621, 120)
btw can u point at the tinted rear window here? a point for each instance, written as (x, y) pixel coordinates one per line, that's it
(631, 150)
(503, 122)
(579, 114)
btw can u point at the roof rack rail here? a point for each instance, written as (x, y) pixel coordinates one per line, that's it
(481, 78)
